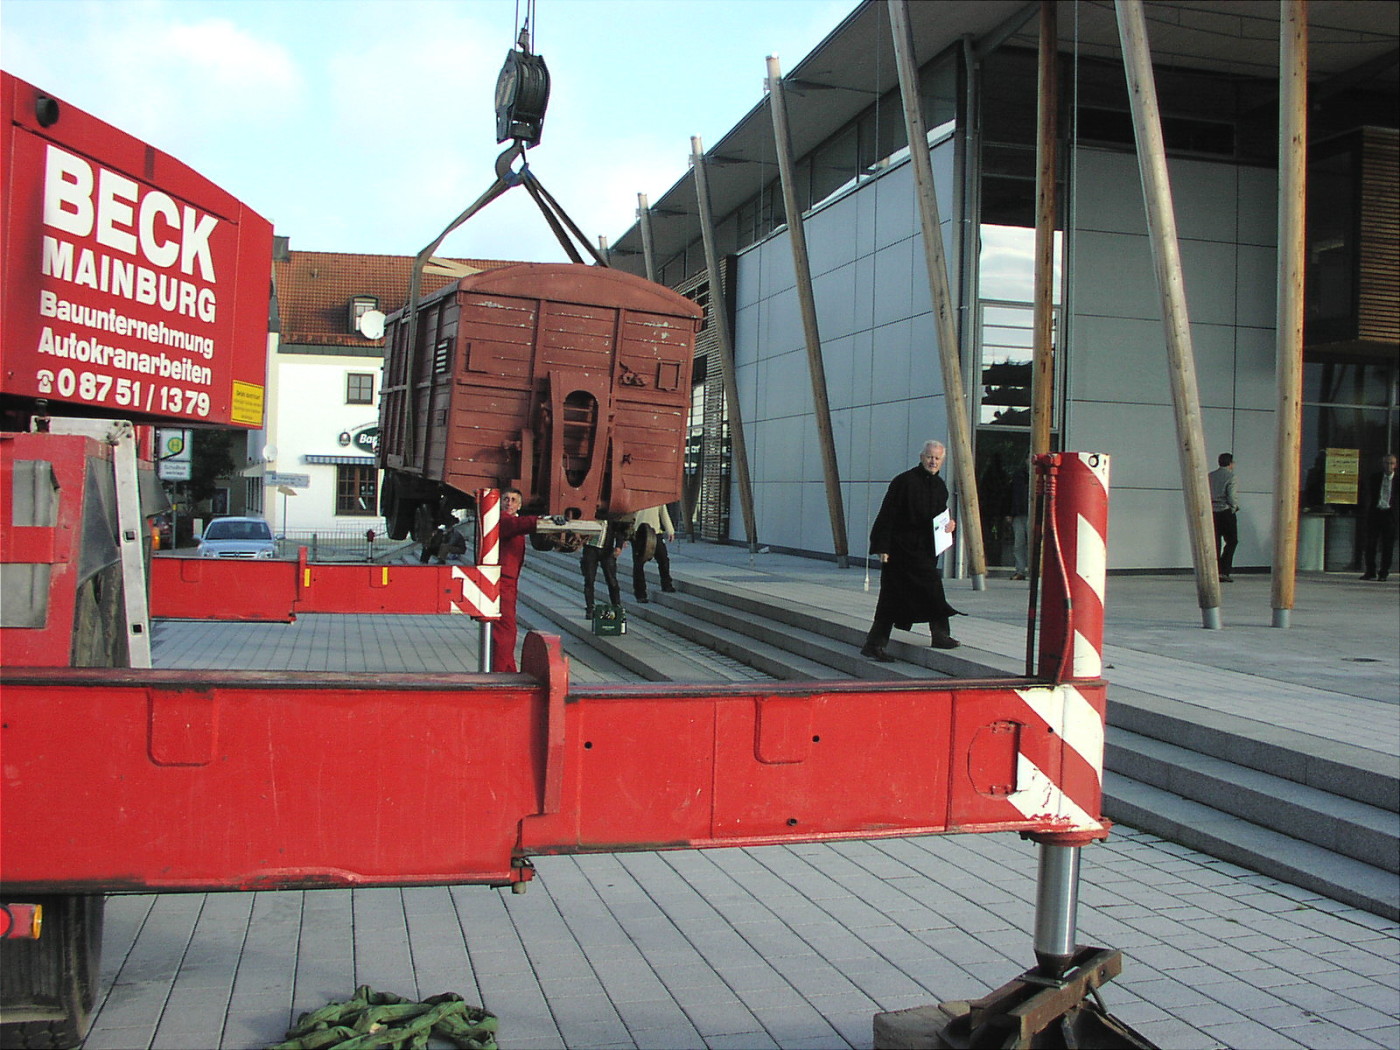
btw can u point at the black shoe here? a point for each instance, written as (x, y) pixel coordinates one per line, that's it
(1369, 576)
(1382, 577)
(644, 599)
(876, 654)
(668, 589)
(944, 641)
(588, 613)
(1019, 576)
(1226, 579)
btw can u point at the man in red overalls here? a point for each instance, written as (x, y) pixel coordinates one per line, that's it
(514, 529)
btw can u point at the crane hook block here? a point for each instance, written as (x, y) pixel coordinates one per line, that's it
(522, 93)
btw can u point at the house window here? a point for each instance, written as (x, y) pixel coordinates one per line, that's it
(359, 388)
(356, 491)
(359, 306)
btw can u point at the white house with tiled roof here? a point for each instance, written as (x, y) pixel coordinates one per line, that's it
(313, 470)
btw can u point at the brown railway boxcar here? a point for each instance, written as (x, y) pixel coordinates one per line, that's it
(566, 381)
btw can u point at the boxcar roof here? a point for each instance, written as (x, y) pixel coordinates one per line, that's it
(581, 283)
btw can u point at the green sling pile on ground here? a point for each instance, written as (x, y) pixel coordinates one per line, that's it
(372, 1020)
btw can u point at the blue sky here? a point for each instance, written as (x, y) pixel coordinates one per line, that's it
(368, 125)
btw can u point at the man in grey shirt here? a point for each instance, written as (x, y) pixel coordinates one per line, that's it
(1225, 507)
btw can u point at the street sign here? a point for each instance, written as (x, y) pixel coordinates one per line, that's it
(295, 481)
(173, 454)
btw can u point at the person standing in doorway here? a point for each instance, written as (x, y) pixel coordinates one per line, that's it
(1020, 519)
(1225, 508)
(911, 584)
(1380, 510)
(652, 530)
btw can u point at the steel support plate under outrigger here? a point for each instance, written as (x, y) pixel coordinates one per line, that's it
(1032, 1011)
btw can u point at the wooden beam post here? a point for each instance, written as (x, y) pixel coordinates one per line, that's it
(807, 304)
(959, 430)
(644, 221)
(1292, 194)
(1166, 258)
(719, 317)
(1047, 130)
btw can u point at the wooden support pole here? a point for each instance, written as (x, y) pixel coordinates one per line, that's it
(644, 221)
(1166, 258)
(1292, 193)
(959, 430)
(807, 304)
(1047, 130)
(719, 317)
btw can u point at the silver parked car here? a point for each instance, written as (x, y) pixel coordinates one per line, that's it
(237, 538)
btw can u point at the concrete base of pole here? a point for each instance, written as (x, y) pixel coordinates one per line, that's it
(1210, 619)
(979, 582)
(1281, 618)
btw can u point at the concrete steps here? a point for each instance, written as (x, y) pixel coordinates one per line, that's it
(1307, 811)
(1341, 825)
(1237, 840)
(552, 589)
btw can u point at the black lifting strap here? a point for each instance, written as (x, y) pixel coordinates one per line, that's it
(554, 214)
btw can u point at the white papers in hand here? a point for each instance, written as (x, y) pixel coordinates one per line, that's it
(942, 538)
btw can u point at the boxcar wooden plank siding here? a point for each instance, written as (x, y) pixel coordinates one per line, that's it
(570, 381)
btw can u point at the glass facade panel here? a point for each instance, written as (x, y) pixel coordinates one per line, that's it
(1345, 383)
(1351, 407)
(1330, 287)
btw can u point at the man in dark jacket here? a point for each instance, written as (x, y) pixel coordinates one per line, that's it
(911, 586)
(1380, 510)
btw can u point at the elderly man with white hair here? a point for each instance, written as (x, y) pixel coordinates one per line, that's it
(911, 585)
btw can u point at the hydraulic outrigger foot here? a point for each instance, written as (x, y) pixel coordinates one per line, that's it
(1030, 1012)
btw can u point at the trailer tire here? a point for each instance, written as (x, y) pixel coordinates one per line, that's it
(57, 975)
(424, 522)
(400, 519)
(396, 511)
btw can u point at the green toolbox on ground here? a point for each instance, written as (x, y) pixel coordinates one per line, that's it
(609, 619)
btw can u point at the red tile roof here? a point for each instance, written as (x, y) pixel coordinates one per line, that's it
(314, 290)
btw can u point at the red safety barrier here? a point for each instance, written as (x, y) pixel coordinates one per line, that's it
(279, 591)
(213, 589)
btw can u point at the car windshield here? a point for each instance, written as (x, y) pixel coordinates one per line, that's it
(238, 530)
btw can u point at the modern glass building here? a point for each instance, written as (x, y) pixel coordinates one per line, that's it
(1216, 74)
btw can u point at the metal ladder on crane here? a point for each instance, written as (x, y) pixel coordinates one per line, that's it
(120, 434)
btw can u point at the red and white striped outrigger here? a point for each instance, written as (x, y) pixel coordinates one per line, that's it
(481, 583)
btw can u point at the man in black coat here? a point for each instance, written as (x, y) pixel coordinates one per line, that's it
(911, 586)
(1380, 510)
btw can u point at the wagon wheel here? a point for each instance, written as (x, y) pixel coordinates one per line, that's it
(424, 522)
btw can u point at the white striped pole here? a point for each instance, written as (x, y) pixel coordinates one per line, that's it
(488, 553)
(1074, 565)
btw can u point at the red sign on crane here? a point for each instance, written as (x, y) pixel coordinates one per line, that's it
(132, 286)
